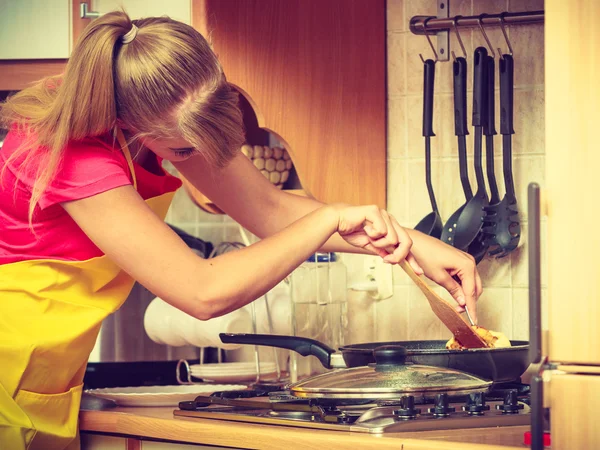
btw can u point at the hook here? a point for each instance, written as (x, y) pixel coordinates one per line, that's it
(428, 40)
(510, 50)
(485, 35)
(458, 37)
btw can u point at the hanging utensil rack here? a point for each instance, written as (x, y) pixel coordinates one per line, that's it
(441, 24)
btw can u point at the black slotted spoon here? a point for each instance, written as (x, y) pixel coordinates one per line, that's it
(431, 224)
(464, 225)
(502, 219)
(480, 246)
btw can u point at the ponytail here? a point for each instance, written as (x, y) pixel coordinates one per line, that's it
(79, 104)
(159, 78)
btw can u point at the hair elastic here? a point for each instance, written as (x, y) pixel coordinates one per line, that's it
(130, 35)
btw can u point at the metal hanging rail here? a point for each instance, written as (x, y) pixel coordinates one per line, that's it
(425, 24)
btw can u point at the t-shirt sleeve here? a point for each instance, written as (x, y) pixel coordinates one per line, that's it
(87, 168)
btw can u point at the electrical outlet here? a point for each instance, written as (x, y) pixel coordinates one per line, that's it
(381, 275)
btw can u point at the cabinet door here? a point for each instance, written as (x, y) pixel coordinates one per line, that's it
(158, 445)
(91, 441)
(574, 419)
(175, 9)
(572, 165)
(35, 29)
(315, 72)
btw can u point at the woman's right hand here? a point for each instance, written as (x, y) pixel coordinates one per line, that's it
(375, 230)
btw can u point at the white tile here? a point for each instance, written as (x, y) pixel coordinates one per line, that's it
(423, 324)
(520, 326)
(396, 57)
(391, 316)
(395, 15)
(397, 127)
(494, 310)
(398, 187)
(519, 258)
(361, 318)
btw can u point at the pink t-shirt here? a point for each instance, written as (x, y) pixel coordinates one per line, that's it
(89, 167)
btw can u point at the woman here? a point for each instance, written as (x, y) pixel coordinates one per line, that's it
(83, 199)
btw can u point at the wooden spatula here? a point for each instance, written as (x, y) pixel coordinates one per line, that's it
(461, 330)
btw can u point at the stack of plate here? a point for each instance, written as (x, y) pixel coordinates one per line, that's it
(233, 372)
(160, 395)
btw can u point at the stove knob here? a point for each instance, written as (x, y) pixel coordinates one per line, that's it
(476, 404)
(441, 408)
(511, 403)
(407, 408)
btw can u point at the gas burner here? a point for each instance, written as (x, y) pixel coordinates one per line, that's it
(370, 416)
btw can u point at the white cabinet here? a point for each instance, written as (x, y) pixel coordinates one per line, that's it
(176, 9)
(35, 29)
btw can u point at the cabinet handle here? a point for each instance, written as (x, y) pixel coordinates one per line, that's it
(86, 14)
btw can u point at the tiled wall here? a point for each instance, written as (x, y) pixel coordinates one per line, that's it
(503, 306)
(407, 315)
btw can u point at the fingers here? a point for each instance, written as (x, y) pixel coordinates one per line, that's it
(376, 226)
(471, 285)
(414, 264)
(455, 289)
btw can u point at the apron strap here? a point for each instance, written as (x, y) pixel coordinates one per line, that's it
(125, 150)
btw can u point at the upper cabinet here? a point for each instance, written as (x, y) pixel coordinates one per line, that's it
(176, 9)
(36, 39)
(314, 74)
(35, 29)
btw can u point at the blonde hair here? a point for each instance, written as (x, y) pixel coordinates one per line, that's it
(165, 83)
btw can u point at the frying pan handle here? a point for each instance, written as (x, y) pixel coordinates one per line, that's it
(535, 297)
(479, 86)
(460, 96)
(303, 346)
(489, 127)
(428, 83)
(507, 69)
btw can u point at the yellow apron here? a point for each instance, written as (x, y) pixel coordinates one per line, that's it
(50, 316)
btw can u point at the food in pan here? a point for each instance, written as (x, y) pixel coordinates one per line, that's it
(494, 339)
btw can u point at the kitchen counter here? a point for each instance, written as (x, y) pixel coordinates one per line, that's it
(158, 423)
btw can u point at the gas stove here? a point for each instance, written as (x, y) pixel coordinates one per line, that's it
(504, 405)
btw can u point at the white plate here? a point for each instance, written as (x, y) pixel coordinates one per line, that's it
(160, 395)
(235, 372)
(232, 368)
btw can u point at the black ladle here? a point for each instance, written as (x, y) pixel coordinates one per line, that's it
(431, 224)
(459, 70)
(502, 219)
(465, 224)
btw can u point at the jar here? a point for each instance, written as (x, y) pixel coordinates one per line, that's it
(319, 308)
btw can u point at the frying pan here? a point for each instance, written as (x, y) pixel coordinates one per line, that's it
(494, 364)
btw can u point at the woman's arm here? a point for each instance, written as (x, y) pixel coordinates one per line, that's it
(128, 232)
(246, 195)
(251, 200)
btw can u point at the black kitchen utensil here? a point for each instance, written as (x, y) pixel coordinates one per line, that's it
(431, 224)
(463, 227)
(494, 364)
(480, 246)
(502, 219)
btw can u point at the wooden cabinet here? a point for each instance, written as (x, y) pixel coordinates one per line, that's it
(95, 441)
(25, 63)
(314, 74)
(26, 32)
(175, 9)
(572, 165)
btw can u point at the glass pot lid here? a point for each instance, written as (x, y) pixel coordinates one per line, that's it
(389, 377)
